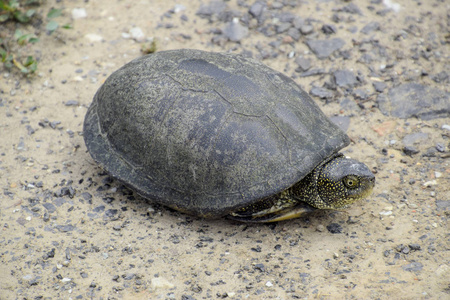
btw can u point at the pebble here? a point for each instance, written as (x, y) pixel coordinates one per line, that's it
(256, 9)
(92, 37)
(386, 213)
(161, 283)
(79, 13)
(415, 138)
(345, 78)
(372, 26)
(72, 103)
(303, 63)
(392, 5)
(443, 270)
(415, 100)
(379, 86)
(413, 267)
(324, 48)
(342, 121)
(234, 31)
(334, 228)
(320, 228)
(215, 7)
(430, 183)
(321, 92)
(137, 34)
(306, 29)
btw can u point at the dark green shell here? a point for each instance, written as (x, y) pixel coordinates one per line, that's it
(206, 133)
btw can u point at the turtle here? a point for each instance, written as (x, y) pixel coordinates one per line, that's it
(221, 135)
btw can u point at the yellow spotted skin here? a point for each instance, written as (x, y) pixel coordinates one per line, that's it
(335, 184)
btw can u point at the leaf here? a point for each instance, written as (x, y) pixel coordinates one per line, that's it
(3, 55)
(14, 4)
(33, 40)
(17, 34)
(32, 2)
(21, 17)
(30, 64)
(22, 40)
(67, 26)
(30, 13)
(30, 60)
(53, 13)
(52, 26)
(4, 18)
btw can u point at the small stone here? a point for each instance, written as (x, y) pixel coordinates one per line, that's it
(72, 103)
(329, 29)
(385, 127)
(161, 283)
(306, 29)
(320, 228)
(415, 138)
(415, 247)
(415, 100)
(129, 276)
(345, 78)
(379, 86)
(257, 8)
(269, 284)
(372, 26)
(79, 13)
(324, 48)
(215, 7)
(259, 267)
(352, 8)
(410, 150)
(334, 228)
(92, 37)
(440, 147)
(137, 34)
(234, 31)
(321, 92)
(430, 183)
(443, 270)
(294, 33)
(413, 267)
(179, 8)
(342, 121)
(282, 27)
(386, 213)
(303, 63)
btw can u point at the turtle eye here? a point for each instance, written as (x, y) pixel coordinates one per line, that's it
(351, 181)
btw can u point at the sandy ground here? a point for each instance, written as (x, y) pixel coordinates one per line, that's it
(68, 231)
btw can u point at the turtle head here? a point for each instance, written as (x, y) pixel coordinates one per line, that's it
(342, 181)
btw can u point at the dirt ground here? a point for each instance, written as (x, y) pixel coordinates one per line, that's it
(68, 231)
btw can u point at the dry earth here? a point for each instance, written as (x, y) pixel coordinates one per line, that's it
(68, 231)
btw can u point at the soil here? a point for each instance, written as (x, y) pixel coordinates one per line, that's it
(69, 231)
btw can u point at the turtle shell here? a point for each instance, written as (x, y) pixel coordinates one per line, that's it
(206, 133)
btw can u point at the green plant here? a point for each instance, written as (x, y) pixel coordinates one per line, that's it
(22, 11)
(52, 25)
(13, 10)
